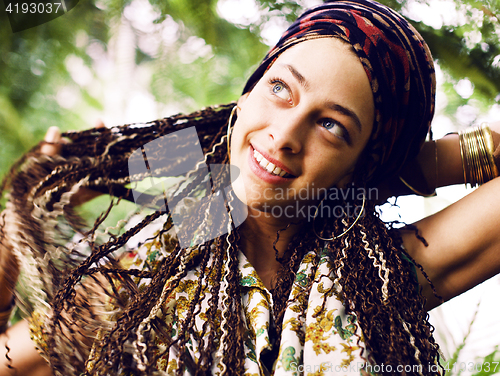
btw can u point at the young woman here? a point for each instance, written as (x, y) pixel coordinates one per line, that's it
(301, 276)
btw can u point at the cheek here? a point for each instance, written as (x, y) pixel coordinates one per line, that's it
(237, 141)
(332, 169)
(251, 118)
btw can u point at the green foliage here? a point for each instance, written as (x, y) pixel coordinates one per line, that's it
(452, 365)
(489, 365)
(461, 54)
(476, 63)
(216, 77)
(289, 9)
(32, 70)
(207, 63)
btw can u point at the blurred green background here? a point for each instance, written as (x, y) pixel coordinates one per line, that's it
(138, 60)
(128, 61)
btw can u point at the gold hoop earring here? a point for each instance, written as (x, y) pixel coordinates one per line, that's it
(230, 130)
(348, 229)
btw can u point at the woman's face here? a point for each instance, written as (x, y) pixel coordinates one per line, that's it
(303, 126)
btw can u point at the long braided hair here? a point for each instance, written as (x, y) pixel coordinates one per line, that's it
(94, 299)
(101, 317)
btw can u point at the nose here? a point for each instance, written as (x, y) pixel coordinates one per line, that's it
(289, 132)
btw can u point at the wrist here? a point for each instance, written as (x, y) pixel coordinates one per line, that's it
(496, 143)
(449, 166)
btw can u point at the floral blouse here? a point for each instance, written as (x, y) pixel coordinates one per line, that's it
(323, 342)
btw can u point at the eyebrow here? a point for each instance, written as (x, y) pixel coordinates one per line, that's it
(345, 111)
(299, 77)
(332, 105)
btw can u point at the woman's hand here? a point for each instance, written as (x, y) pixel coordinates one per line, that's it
(52, 146)
(21, 357)
(495, 132)
(52, 142)
(9, 265)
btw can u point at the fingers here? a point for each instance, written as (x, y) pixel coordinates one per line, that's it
(495, 131)
(52, 146)
(99, 124)
(495, 126)
(52, 140)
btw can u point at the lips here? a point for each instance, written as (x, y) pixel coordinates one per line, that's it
(269, 166)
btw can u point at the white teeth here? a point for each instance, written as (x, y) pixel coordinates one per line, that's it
(257, 155)
(268, 166)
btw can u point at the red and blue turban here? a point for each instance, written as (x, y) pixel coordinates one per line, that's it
(399, 67)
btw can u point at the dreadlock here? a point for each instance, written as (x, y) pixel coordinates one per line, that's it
(88, 296)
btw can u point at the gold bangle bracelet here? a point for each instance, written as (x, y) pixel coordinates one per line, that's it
(490, 147)
(416, 191)
(463, 156)
(476, 150)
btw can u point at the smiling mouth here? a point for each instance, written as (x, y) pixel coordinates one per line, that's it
(270, 167)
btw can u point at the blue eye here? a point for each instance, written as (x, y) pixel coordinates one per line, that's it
(278, 87)
(335, 128)
(281, 90)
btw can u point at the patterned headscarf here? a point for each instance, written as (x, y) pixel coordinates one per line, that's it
(399, 67)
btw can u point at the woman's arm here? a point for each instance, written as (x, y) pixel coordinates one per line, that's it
(16, 344)
(9, 265)
(18, 355)
(463, 239)
(463, 243)
(22, 354)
